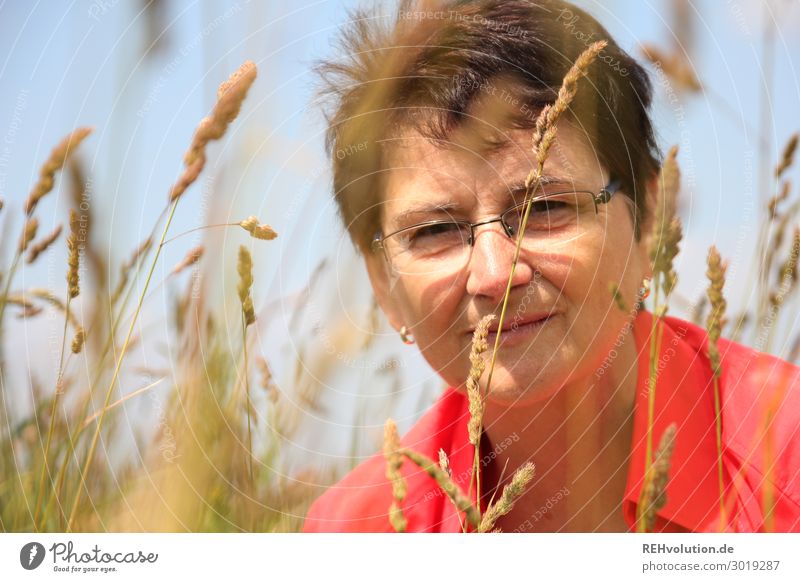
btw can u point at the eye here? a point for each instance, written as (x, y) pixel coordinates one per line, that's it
(435, 238)
(437, 230)
(550, 205)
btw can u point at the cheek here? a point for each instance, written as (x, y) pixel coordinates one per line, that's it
(429, 306)
(584, 275)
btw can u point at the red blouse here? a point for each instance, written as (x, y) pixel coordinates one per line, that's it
(758, 458)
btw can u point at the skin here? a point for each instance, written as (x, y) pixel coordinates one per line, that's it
(544, 387)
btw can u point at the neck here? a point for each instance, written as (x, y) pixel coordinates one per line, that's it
(579, 439)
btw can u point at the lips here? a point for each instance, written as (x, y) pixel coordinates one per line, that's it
(514, 322)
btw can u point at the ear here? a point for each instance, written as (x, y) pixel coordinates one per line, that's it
(378, 272)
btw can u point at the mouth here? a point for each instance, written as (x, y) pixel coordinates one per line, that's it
(518, 327)
(515, 323)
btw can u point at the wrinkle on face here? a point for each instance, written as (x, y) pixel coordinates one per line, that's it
(570, 278)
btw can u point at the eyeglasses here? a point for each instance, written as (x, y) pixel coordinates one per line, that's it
(433, 246)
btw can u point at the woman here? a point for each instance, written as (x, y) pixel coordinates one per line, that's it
(430, 137)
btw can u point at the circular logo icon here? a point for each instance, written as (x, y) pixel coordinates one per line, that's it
(31, 555)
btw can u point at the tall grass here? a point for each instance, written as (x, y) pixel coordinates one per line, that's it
(66, 466)
(213, 463)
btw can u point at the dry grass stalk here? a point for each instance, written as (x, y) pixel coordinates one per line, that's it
(245, 268)
(73, 261)
(784, 220)
(28, 308)
(511, 493)
(542, 139)
(40, 247)
(778, 198)
(699, 310)
(667, 232)
(674, 66)
(28, 312)
(768, 431)
(666, 236)
(258, 230)
(53, 164)
(478, 365)
(741, 321)
(50, 297)
(787, 276)
(714, 323)
(654, 492)
(716, 317)
(28, 234)
(444, 463)
(230, 96)
(452, 490)
(267, 381)
(127, 267)
(394, 461)
(788, 155)
(191, 258)
(546, 123)
(788, 271)
(78, 340)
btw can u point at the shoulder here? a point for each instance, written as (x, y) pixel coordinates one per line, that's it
(760, 404)
(360, 501)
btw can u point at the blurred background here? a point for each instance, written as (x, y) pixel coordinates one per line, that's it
(142, 74)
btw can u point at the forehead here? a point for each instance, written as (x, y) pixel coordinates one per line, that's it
(462, 174)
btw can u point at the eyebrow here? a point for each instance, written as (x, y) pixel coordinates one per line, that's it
(518, 186)
(447, 208)
(442, 208)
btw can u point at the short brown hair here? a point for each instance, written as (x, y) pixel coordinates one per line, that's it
(428, 65)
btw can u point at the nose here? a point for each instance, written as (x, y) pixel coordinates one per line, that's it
(490, 264)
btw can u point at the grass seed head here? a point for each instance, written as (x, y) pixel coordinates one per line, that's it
(245, 269)
(667, 232)
(73, 260)
(394, 460)
(511, 493)
(258, 230)
(477, 366)
(716, 316)
(28, 233)
(230, 96)
(54, 163)
(192, 257)
(267, 382)
(661, 467)
(675, 67)
(41, 246)
(78, 340)
(545, 130)
(788, 155)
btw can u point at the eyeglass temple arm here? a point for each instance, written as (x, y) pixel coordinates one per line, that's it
(606, 193)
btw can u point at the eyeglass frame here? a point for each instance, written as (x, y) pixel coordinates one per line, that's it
(602, 197)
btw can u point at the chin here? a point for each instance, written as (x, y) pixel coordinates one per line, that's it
(517, 388)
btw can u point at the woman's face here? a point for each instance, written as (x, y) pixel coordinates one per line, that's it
(561, 321)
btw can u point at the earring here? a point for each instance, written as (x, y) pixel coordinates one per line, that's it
(644, 292)
(407, 338)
